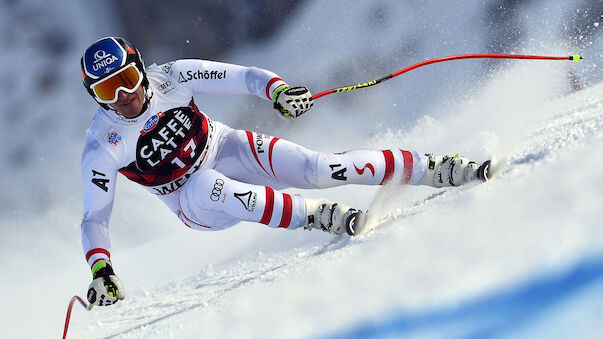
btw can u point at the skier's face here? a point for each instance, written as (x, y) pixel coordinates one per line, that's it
(129, 104)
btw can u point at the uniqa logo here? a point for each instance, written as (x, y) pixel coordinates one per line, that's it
(102, 59)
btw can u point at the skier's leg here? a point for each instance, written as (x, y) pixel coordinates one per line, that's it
(265, 160)
(262, 159)
(211, 201)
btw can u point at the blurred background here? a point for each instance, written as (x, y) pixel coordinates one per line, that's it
(45, 111)
(319, 44)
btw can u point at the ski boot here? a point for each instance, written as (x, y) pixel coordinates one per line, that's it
(330, 217)
(454, 171)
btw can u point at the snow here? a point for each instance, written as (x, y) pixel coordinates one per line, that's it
(518, 256)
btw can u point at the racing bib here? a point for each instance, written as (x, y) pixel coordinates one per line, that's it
(171, 146)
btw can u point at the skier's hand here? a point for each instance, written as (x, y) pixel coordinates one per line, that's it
(293, 101)
(106, 288)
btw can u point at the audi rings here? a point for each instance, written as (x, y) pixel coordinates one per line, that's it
(217, 190)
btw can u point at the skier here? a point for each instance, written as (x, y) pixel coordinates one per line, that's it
(149, 129)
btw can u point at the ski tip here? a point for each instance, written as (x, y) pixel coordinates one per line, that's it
(484, 171)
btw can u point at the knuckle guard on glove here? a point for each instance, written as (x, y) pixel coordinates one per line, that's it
(106, 288)
(294, 101)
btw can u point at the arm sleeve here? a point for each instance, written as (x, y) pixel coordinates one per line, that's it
(99, 172)
(211, 77)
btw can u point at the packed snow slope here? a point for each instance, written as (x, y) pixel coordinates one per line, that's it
(518, 256)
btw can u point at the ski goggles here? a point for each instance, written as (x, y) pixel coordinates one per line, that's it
(127, 79)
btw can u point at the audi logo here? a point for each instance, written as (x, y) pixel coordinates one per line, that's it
(217, 190)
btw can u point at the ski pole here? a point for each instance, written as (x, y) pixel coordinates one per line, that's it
(574, 57)
(75, 298)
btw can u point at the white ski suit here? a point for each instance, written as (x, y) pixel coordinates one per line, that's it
(210, 175)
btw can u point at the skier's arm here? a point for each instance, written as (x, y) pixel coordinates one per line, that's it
(99, 172)
(212, 77)
(204, 76)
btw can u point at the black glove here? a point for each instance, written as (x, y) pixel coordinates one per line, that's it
(293, 101)
(106, 288)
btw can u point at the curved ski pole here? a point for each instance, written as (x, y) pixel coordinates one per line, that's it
(574, 57)
(75, 298)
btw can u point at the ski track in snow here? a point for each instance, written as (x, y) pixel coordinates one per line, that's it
(573, 125)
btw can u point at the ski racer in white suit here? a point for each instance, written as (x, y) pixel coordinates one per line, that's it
(150, 130)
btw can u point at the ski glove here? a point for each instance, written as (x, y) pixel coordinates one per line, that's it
(293, 101)
(106, 288)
